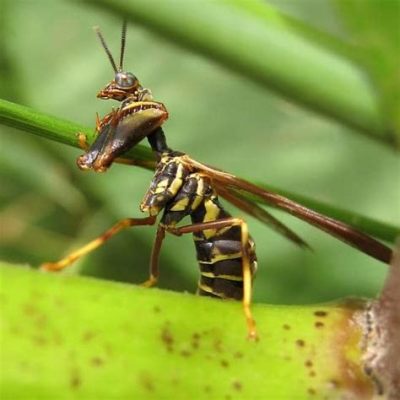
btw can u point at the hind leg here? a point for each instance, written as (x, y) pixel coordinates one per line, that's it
(247, 277)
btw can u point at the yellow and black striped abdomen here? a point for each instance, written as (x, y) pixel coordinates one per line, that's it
(221, 266)
(181, 192)
(219, 254)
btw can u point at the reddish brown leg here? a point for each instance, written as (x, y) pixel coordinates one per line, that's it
(155, 253)
(247, 279)
(94, 244)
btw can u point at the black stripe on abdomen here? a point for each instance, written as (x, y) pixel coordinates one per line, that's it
(220, 287)
(222, 279)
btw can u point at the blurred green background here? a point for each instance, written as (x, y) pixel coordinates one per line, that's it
(52, 62)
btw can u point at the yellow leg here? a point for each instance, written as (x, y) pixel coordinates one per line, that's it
(94, 244)
(247, 282)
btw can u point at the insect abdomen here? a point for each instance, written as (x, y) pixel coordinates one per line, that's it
(219, 254)
(219, 251)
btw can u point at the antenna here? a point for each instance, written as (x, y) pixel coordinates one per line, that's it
(123, 40)
(103, 42)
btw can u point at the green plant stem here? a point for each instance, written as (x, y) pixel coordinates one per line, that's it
(63, 131)
(53, 128)
(271, 55)
(68, 337)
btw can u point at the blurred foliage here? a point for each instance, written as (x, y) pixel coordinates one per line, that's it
(374, 29)
(268, 51)
(49, 207)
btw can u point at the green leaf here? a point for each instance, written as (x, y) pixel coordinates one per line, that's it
(271, 55)
(374, 28)
(73, 337)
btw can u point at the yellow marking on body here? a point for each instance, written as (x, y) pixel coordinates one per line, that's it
(164, 160)
(161, 186)
(153, 211)
(208, 289)
(142, 103)
(199, 193)
(228, 277)
(181, 204)
(212, 214)
(221, 231)
(220, 257)
(177, 182)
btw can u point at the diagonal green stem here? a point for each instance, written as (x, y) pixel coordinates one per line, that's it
(53, 128)
(272, 55)
(50, 127)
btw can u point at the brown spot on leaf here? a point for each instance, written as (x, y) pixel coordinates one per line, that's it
(88, 336)
(185, 353)
(320, 313)
(167, 338)
(312, 374)
(308, 363)
(75, 380)
(207, 388)
(311, 391)
(39, 340)
(300, 343)
(97, 361)
(218, 345)
(238, 354)
(286, 327)
(224, 363)
(29, 309)
(319, 324)
(195, 340)
(237, 385)
(157, 309)
(146, 381)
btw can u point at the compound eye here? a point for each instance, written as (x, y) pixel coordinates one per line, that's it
(125, 80)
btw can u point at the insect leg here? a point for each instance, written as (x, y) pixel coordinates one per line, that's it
(154, 270)
(94, 244)
(247, 278)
